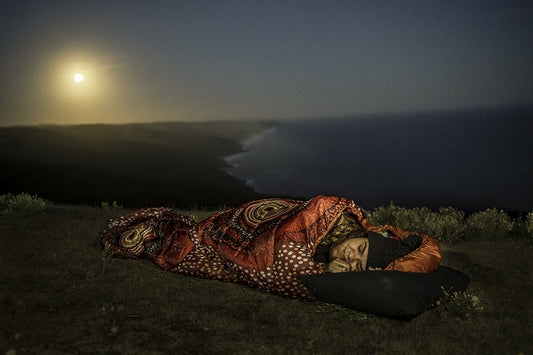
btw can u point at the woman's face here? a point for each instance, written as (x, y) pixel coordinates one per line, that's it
(350, 255)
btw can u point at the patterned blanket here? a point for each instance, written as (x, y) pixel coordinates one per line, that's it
(265, 243)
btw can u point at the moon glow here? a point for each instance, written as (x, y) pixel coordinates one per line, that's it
(78, 77)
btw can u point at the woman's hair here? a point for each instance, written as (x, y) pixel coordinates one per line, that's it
(347, 227)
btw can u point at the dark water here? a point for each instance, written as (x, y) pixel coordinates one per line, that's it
(470, 160)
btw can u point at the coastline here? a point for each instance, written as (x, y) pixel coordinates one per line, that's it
(234, 160)
(432, 159)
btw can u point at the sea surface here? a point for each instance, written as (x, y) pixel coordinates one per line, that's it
(471, 160)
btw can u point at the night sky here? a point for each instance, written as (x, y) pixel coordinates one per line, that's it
(208, 60)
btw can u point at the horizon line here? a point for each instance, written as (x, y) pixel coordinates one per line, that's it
(264, 119)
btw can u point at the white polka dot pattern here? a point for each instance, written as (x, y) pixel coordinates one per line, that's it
(281, 278)
(272, 256)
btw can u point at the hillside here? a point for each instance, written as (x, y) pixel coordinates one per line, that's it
(167, 163)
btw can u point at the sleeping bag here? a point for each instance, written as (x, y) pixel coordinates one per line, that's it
(266, 243)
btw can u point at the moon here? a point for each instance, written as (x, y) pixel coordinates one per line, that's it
(78, 77)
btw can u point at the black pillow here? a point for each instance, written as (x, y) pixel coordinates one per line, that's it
(388, 293)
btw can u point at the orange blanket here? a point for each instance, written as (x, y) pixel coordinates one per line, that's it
(266, 243)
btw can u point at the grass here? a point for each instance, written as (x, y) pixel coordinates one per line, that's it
(62, 295)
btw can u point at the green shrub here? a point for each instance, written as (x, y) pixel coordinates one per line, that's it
(445, 225)
(384, 215)
(523, 226)
(111, 206)
(529, 224)
(459, 305)
(449, 224)
(490, 223)
(22, 204)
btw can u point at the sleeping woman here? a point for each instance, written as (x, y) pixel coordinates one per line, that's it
(271, 243)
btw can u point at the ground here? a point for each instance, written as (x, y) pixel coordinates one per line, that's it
(61, 294)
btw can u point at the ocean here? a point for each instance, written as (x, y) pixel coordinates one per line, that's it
(471, 160)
